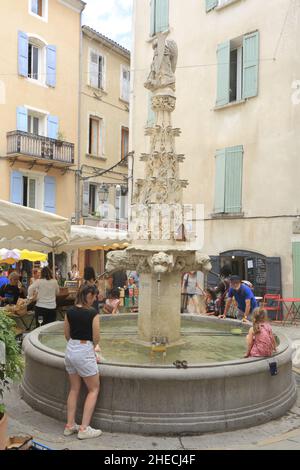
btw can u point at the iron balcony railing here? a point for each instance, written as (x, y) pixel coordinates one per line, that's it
(39, 147)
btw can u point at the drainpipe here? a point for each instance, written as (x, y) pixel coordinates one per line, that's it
(77, 177)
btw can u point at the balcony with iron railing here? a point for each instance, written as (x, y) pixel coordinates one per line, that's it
(28, 147)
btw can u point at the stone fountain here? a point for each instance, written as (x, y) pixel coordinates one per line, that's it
(160, 251)
(141, 392)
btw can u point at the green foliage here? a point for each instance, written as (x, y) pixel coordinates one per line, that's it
(14, 366)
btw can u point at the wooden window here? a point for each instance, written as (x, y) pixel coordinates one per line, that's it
(125, 83)
(124, 142)
(37, 7)
(238, 67)
(97, 70)
(33, 61)
(29, 192)
(92, 198)
(95, 136)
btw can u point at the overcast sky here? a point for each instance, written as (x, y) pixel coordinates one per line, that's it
(111, 18)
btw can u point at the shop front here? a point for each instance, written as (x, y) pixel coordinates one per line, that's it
(262, 271)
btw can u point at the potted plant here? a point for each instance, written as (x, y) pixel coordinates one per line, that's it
(11, 366)
(60, 138)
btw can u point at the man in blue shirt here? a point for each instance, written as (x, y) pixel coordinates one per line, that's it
(3, 279)
(244, 297)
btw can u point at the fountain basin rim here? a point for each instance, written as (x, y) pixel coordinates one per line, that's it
(108, 368)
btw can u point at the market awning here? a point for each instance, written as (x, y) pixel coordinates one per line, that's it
(84, 237)
(22, 227)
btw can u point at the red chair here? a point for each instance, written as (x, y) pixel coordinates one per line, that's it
(271, 304)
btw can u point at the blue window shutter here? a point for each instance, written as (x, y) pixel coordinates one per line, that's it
(50, 194)
(233, 179)
(22, 119)
(161, 15)
(16, 187)
(52, 127)
(220, 182)
(23, 53)
(211, 4)
(250, 65)
(51, 66)
(223, 85)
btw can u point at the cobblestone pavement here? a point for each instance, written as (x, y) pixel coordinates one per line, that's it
(280, 434)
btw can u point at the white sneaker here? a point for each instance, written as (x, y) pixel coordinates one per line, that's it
(89, 433)
(71, 431)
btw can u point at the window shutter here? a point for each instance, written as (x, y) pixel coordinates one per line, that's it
(233, 179)
(52, 127)
(50, 194)
(296, 269)
(16, 187)
(161, 15)
(220, 182)
(85, 198)
(223, 85)
(22, 119)
(211, 4)
(151, 113)
(125, 83)
(23, 53)
(51, 66)
(94, 69)
(250, 65)
(152, 17)
(274, 285)
(103, 73)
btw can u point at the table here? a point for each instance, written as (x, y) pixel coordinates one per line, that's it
(292, 310)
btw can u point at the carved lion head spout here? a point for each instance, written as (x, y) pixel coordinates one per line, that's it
(203, 262)
(161, 263)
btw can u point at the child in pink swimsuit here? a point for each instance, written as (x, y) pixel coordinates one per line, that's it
(260, 340)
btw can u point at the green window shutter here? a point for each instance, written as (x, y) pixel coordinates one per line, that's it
(220, 182)
(152, 17)
(233, 179)
(161, 15)
(223, 85)
(211, 4)
(250, 65)
(296, 268)
(151, 113)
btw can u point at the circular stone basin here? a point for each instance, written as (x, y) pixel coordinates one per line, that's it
(141, 390)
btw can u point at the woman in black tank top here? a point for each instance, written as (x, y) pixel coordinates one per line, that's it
(82, 331)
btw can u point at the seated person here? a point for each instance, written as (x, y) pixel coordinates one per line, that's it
(260, 340)
(10, 293)
(111, 305)
(210, 302)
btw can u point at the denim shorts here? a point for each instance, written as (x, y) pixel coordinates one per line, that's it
(80, 358)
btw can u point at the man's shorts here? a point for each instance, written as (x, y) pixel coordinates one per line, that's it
(80, 358)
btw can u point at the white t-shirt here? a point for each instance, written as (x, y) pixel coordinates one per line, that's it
(46, 292)
(191, 283)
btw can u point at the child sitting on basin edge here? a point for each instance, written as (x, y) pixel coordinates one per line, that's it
(260, 340)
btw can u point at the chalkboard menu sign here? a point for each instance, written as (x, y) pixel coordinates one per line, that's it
(257, 274)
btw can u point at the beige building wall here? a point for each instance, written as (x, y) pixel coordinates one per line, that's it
(267, 125)
(61, 28)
